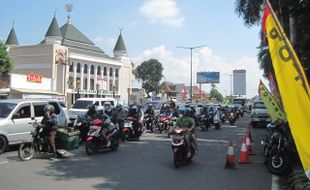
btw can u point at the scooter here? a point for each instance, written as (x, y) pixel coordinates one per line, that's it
(128, 132)
(217, 121)
(95, 139)
(179, 147)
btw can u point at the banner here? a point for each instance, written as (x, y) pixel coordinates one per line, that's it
(292, 83)
(270, 103)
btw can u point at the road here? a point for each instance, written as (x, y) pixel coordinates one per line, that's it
(144, 165)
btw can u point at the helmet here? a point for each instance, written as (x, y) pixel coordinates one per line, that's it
(92, 107)
(119, 106)
(49, 107)
(150, 106)
(107, 106)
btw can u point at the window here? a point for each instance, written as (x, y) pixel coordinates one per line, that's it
(99, 70)
(111, 102)
(96, 103)
(71, 67)
(111, 72)
(57, 109)
(92, 68)
(105, 71)
(82, 104)
(6, 109)
(78, 68)
(116, 72)
(85, 68)
(39, 110)
(23, 112)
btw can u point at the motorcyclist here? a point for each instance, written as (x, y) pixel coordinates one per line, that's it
(150, 111)
(187, 122)
(118, 115)
(107, 108)
(166, 110)
(50, 124)
(137, 116)
(92, 112)
(106, 127)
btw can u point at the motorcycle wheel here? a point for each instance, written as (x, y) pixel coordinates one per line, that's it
(231, 122)
(278, 166)
(177, 159)
(217, 126)
(161, 129)
(91, 148)
(26, 151)
(115, 144)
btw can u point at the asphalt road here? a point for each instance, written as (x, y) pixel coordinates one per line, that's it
(144, 165)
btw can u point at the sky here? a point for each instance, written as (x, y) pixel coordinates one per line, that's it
(152, 29)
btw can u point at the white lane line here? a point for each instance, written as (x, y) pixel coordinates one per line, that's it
(229, 126)
(4, 162)
(275, 182)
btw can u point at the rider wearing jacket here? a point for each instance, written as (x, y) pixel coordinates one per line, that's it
(137, 115)
(150, 111)
(50, 124)
(187, 122)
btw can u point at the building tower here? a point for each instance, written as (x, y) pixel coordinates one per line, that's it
(12, 39)
(53, 34)
(120, 48)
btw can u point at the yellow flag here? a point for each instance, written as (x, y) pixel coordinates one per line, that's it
(292, 83)
(271, 104)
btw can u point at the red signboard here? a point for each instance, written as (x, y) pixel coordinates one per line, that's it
(34, 78)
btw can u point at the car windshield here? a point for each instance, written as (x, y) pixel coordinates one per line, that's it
(259, 105)
(82, 104)
(156, 105)
(6, 109)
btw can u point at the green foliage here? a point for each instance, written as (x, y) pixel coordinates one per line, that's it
(150, 74)
(214, 93)
(5, 61)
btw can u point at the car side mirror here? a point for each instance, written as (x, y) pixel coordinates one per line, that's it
(16, 116)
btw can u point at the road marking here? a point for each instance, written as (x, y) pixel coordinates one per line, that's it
(229, 126)
(4, 162)
(213, 140)
(275, 182)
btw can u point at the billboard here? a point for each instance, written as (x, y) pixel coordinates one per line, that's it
(239, 85)
(208, 77)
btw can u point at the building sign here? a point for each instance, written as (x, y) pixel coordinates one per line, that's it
(100, 92)
(239, 85)
(34, 78)
(208, 77)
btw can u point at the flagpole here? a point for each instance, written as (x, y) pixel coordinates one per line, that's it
(289, 48)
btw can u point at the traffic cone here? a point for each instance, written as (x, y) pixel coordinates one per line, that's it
(248, 144)
(244, 156)
(231, 160)
(249, 130)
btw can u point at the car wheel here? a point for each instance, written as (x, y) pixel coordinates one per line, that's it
(3, 144)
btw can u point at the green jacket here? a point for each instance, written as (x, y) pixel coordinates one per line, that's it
(184, 122)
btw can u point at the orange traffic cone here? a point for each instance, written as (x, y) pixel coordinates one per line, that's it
(244, 156)
(231, 160)
(248, 144)
(249, 130)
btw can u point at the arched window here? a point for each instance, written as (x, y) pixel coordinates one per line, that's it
(105, 71)
(116, 73)
(71, 67)
(78, 68)
(111, 72)
(99, 70)
(85, 68)
(92, 68)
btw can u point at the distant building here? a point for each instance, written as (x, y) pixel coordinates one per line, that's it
(198, 94)
(68, 65)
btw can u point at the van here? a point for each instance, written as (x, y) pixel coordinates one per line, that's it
(80, 107)
(17, 117)
(259, 113)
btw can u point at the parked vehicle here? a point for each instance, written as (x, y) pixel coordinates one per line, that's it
(17, 117)
(179, 147)
(95, 139)
(259, 114)
(275, 148)
(80, 107)
(39, 144)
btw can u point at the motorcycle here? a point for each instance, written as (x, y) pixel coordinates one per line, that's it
(172, 123)
(82, 123)
(163, 122)
(204, 122)
(148, 122)
(217, 121)
(231, 117)
(223, 117)
(179, 147)
(276, 151)
(96, 140)
(39, 144)
(128, 132)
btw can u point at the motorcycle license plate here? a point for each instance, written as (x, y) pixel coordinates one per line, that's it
(175, 150)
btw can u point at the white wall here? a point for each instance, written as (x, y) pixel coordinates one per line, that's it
(20, 81)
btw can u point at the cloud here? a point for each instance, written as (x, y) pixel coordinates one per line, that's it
(177, 68)
(163, 11)
(105, 42)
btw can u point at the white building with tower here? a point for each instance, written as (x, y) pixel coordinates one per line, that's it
(68, 65)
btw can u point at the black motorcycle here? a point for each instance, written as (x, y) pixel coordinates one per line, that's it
(39, 144)
(204, 122)
(231, 117)
(95, 139)
(275, 148)
(82, 123)
(149, 122)
(179, 147)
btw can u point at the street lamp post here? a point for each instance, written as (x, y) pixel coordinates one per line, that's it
(191, 70)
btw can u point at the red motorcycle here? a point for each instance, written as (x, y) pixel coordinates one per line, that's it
(128, 132)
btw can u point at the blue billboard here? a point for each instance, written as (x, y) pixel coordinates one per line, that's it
(208, 77)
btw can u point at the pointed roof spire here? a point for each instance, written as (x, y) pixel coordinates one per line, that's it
(120, 45)
(53, 29)
(12, 39)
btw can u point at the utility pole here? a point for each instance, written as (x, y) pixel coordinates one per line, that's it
(191, 70)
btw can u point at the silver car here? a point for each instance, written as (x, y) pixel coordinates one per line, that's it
(17, 117)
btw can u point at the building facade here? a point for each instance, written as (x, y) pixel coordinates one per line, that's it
(70, 66)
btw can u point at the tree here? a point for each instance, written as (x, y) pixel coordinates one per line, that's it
(5, 61)
(150, 74)
(214, 93)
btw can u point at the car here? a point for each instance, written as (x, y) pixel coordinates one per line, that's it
(80, 107)
(259, 114)
(17, 117)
